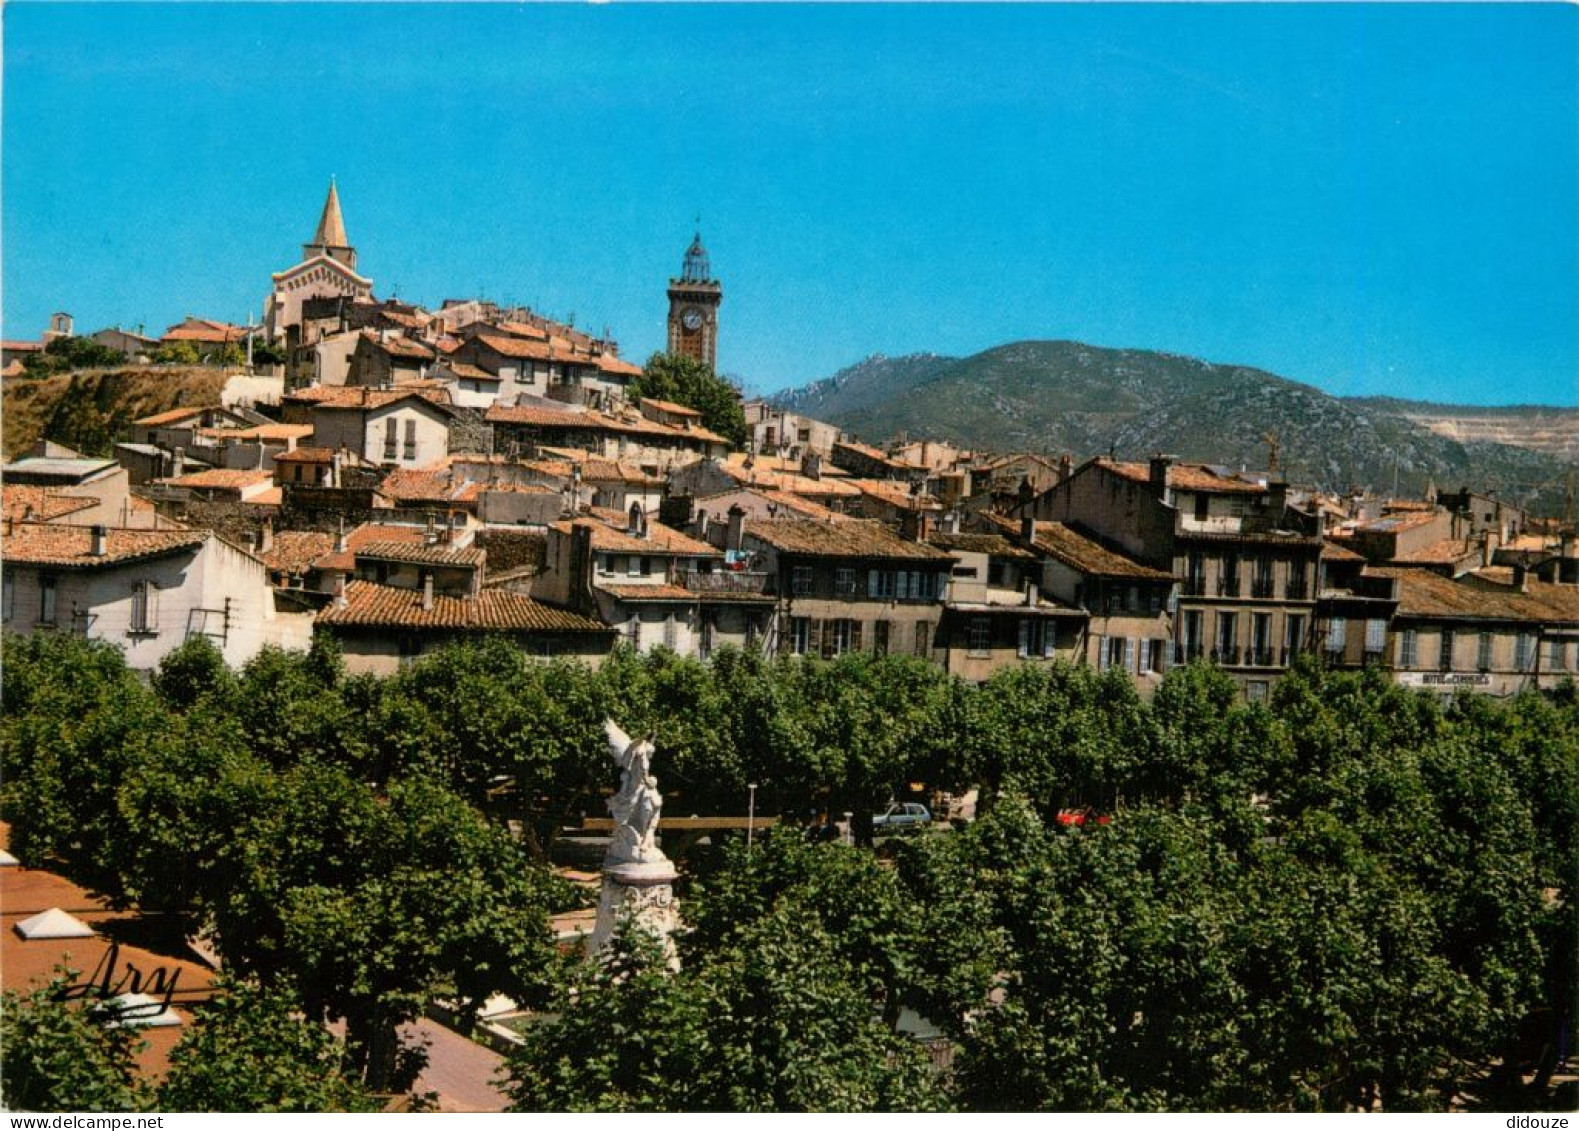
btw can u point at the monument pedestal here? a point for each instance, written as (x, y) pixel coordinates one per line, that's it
(641, 894)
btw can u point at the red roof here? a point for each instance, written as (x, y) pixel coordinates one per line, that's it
(368, 605)
(42, 544)
(204, 330)
(43, 504)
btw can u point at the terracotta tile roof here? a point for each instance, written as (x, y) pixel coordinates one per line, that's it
(306, 455)
(608, 363)
(856, 538)
(780, 463)
(69, 547)
(470, 372)
(295, 551)
(493, 610)
(895, 494)
(204, 330)
(1408, 505)
(1334, 552)
(439, 553)
(22, 503)
(361, 536)
(529, 349)
(802, 506)
(595, 421)
(1184, 476)
(396, 346)
(272, 497)
(522, 330)
(602, 470)
(171, 416)
(670, 407)
(877, 454)
(825, 488)
(609, 535)
(22, 347)
(260, 432)
(361, 398)
(1397, 523)
(1082, 553)
(425, 486)
(666, 594)
(995, 544)
(220, 479)
(1445, 551)
(471, 492)
(1422, 593)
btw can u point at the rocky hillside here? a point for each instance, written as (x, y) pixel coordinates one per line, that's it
(90, 411)
(1540, 428)
(1068, 397)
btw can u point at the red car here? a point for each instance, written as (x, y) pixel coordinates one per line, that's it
(1083, 816)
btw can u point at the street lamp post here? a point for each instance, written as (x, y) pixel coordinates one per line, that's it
(751, 814)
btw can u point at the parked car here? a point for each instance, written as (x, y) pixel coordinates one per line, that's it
(903, 817)
(1085, 815)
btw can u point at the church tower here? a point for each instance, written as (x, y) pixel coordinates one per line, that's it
(693, 308)
(330, 238)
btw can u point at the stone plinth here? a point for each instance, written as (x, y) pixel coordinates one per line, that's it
(642, 894)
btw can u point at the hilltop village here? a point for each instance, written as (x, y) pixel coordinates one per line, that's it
(398, 478)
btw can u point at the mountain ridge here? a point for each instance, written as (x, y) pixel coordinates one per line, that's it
(1061, 395)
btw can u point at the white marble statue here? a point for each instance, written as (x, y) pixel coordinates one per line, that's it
(637, 805)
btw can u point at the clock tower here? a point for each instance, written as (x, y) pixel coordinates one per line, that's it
(693, 308)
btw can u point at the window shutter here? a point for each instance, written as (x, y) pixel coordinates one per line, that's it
(1129, 653)
(1049, 638)
(873, 585)
(1102, 653)
(822, 638)
(1145, 655)
(855, 636)
(1025, 638)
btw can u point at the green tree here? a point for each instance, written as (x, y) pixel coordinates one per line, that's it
(684, 380)
(61, 355)
(58, 1057)
(249, 1049)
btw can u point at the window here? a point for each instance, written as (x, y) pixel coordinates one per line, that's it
(800, 581)
(844, 582)
(980, 635)
(1256, 690)
(1408, 648)
(46, 600)
(880, 632)
(1192, 634)
(1296, 580)
(1375, 636)
(1444, 658)
(391, 425)
(1261, 638)
(804, 435)
(1483, 652)
(923, 639)
(1228, 581)
(1556, 655)
(8, 598)
(671, 633)
(1195, 576)
(1227, 638)
(411, 438)
(606, 563)
(1524, 652)
(142, 607)
(1118, 652)
(1037, 637)
(840, 636)
(1262, 587)
(800, 635)
(1337, 635)
(1294, 635)
(1145, 662)
(1201, 502)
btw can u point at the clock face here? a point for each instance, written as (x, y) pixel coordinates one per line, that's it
(692, 319)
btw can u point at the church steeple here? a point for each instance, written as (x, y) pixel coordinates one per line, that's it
(330, 238)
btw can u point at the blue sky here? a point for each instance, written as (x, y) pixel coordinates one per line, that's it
(1373, 199)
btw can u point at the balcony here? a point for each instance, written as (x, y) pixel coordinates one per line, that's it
(1261, 658)
(1261, 587)
(1296, 591)
(1226, 657)
(1228, 586)
(725, 581)
(1193, 587)
(1184, 653)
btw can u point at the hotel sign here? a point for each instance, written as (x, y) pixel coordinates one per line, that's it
(1444, 679)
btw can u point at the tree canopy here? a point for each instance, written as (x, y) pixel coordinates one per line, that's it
(684, 380)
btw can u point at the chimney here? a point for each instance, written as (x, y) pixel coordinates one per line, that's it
(1488, 552)
(339, 591)
(951, 522)
(811, 466)
(97, 539)
(1066, 466)
(430, 536)
(427, 591)
(1159, 474)
(1028, 529)
(266, 536)
(1033, 594)
(737, 528)
(339, 537)
(178, 461)
(1521, 579)
(1277, 497)
(634, 522)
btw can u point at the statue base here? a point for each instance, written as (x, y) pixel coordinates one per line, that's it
(641, 894)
